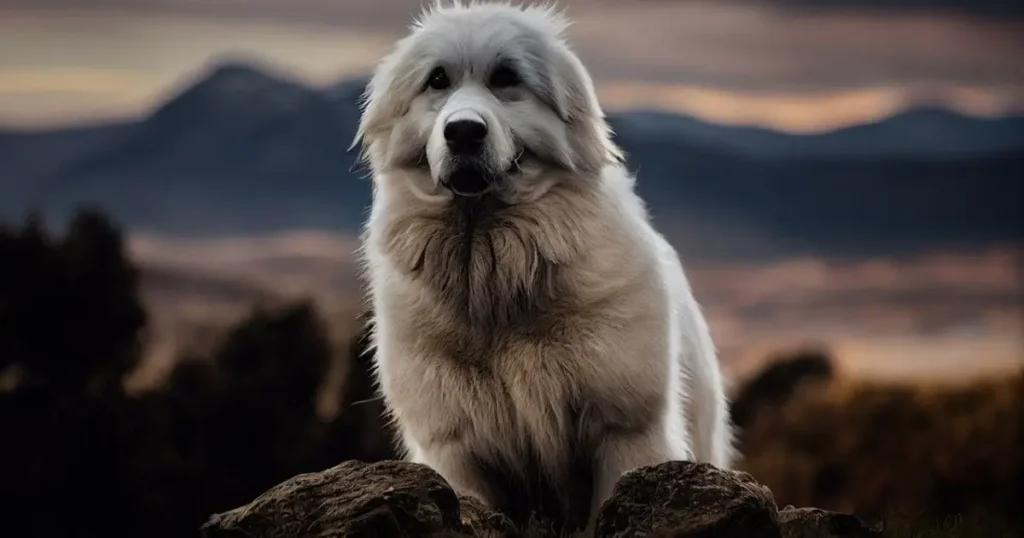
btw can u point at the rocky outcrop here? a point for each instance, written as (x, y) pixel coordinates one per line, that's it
(390, 498)
(684, 499)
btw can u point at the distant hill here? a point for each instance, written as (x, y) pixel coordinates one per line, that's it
(926, 133)
(244, 151)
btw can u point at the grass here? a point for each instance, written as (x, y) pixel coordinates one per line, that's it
(972, 526)
(901, 526)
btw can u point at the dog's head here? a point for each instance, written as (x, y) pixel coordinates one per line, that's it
(483, 98)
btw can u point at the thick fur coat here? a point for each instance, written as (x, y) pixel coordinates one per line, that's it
(535, 338)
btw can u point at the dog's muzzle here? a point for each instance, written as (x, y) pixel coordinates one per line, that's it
(465, 139)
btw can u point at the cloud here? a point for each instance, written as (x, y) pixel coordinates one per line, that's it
(72, 80)
(67, 67)
(804, 111)
(727, 44)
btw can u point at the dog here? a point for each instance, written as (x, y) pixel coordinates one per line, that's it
(535, 337)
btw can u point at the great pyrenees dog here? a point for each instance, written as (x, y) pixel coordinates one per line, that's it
(535, 337)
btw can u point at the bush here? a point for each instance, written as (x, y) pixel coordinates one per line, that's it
(871, 448)
(82, 458)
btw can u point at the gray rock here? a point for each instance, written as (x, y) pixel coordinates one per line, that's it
(354, 499)
(688, 500)
(392, 498)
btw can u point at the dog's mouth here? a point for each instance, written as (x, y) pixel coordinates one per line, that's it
(469, 181)
(473, 179)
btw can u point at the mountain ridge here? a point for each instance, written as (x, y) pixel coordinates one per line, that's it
(241, 149)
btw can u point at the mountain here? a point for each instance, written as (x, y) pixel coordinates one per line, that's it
(245, 151)
(925, 133)
(241, 150)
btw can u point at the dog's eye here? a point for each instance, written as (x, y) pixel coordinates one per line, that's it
(504, 77)
(438, 79)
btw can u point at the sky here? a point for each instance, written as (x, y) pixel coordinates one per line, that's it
(733, 62)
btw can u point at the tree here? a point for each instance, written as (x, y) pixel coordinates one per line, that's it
(70, 315)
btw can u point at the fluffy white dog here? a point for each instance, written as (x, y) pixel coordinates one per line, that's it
(535, 336)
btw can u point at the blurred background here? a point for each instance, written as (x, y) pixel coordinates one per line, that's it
(179, 311)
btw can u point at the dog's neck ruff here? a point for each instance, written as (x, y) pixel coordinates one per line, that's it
(474, 212)
(481, 259)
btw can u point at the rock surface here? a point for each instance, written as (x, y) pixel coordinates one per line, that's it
(687, 500)
(818, 523)
(391, 498)
(353, 499)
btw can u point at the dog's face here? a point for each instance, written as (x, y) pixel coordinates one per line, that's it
(483, 98)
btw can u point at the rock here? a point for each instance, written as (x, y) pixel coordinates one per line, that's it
(484, 522)
(818, 523)
(392, 498)
(688, 500)
(354, 499)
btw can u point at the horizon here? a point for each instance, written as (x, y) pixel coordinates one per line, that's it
(281, 74)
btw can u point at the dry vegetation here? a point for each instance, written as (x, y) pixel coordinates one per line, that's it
(949, 455)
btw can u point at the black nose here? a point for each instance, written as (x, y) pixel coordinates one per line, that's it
(465, 137)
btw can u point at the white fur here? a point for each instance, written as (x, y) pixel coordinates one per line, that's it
(548, 319)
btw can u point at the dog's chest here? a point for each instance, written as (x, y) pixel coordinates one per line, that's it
(485, 273)
(516, 382)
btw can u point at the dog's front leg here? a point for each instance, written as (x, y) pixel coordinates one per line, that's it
(454, 464)
(618, 453)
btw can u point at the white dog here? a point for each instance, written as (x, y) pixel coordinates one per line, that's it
(536, 337)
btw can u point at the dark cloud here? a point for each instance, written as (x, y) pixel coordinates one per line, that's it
(751, 44)
(984, 8)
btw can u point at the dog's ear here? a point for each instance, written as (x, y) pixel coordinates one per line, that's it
(374, 104)
(569, 91)
(575, 102)
(387, 96)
